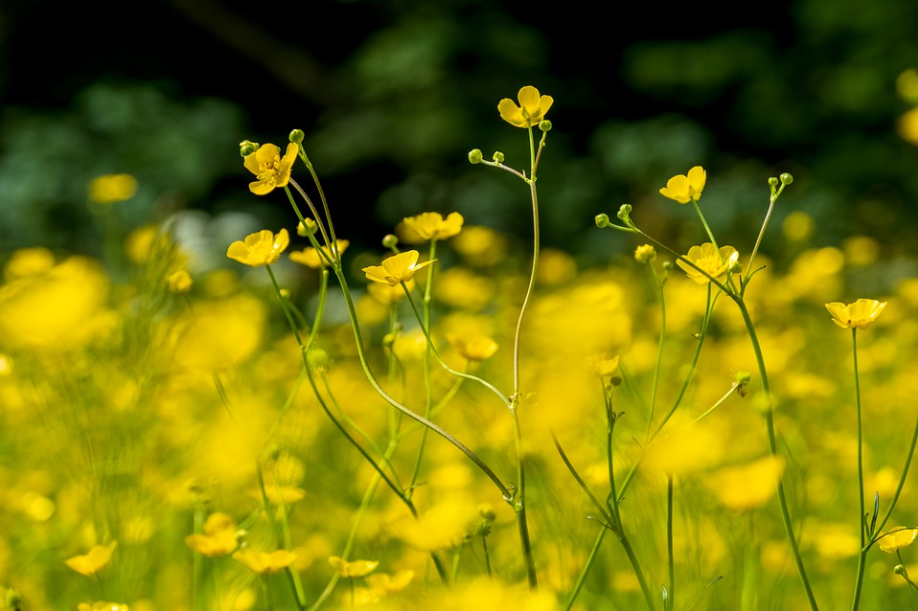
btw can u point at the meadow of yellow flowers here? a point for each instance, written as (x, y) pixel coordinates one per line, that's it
(451, 424)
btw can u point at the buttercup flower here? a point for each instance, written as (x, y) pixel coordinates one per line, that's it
(262, 248)
(707, 258)
(94, 561)
(894, 541)
(219, 538)
(386, 294)
(383, 584)
(474, 348)
(397, 269)
(112, 188)
(180, 281)
(271, 170)
(531, 110)
(357, 568)
(602, 366)
(855, 315)
(645, 253)
(685, 189)
(310, 257)
(431, 226)
(264, 563)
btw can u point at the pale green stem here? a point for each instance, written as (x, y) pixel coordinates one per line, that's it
(656, 369)
(197, 587)
(758, 242)
(705, 223)
(428, 386)
(749, 598)
(315, 179)
(487, 556)
(457, 556)
(862, 557)
(671, 597)
(318, 219)
(586, 569)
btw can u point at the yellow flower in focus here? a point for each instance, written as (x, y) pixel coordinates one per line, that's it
(101, 606)
(897, 538)
(262, 248)
(855, 315)
(431, 226)
(715, 263)
(94, 561)
(180, 282)
(748, 486)
(474, 348)
(272, 171)
(645, 253)
(382, 584)
(219, 538)
(603, 367)
(310, 257)
(264, 563)
(357, 568)
(685, 189)
(112, 188)
(396, 269)
(531, 111)
(387, 294)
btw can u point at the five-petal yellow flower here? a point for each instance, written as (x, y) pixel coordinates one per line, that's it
(855, 315)
(261, 248)
(271, 170)
(396, 269)
(531, 110)
(708, 258)
(898, 538)
(432, 226)
(357, 568)
(219, 538)
(93, 561)
(685, 189)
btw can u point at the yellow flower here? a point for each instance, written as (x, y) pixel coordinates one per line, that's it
(272, 171)
(94, 561)
(383, 584)
(101, 606)
(715, 263)
(898, 538)
(858, 314)
(264, 563)
(685, 189)
(112, 188)
(388, 295)
(531, 111)
(357, 568)
(602, 366)
(747, 486)
(219, 537)
(180, 282)
(310, 257)
(645, 253)
(431, 226)
(474, 348)
(396, 269)
(262, 248)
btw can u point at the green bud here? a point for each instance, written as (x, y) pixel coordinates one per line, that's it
(900, 570)
(318, 358)
(475, 156)
(285, 293)
(297, 136)
(13, 600)
(390, 241)
(615, 381)
(624, 213)
(498, 157)
(388, 339)
(742, 381)
(247, 147)
(545, 125)
(787, 178)
(772, 182)
(668, 266)
(602, 220)
(309, 228)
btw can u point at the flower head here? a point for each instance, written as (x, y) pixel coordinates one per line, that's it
(602, 366)
(476, 348)
(531, 110)
(685, 189)
(112, 188)
(262, 248)
(396, 269)
(432, 226)
(93, 561)
(310, 257)
(897, 538)
(706, 257)
(271, 170)
(180, 281)
(855, 315)
(219, 538)
(101, 606)
(264, 563)
(357, 568)
(645, 253)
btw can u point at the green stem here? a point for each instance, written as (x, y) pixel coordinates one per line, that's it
(586, 569)
(656, 370)
(197, 585)
(862, 556)
(457, 556)
(705, 223)
(671, 597)
(428, 386)
(487, 556)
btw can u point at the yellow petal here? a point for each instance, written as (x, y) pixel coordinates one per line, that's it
(511, 113)
(529, 98)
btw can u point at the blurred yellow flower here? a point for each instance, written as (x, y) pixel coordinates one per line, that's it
(310, 257)
(603, 367)
(272, 171)
(262, 248)
(474, 348)
(357, 568)
(431, 226)
(707, 257)
(101, 606)
(387, 294)
(264, 563)
(219, 538)
(685, 189)
(855, 315)
(747, 486)
(897, 538)
(112, 188)
(94, 561)
(396, 269)
(180, 281)
(383, 584)
(531, 111)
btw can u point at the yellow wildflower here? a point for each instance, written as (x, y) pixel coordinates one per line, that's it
(855, 315)
(603, 367)
(747, 486)
(101, 606)
(180, 282)
(262, 248)
(264, 563)
(645, 253)
(431, 226)
(112, 188)
(531, 111)
(383, 584)
(357, 568)
(94, 561)
(897, 538)
(685, 189)
(386, 294)
(396, 269)
(715, 263)
(474, 348)
(272, 171)
(219, 538)
(310, 257)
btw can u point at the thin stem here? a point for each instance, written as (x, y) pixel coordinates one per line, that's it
(457, 556)
(656, 370)
(428, 386)
(586, 569)
(671, 597)
(758, 242)
(705, 223)
(487, 556)
(315, 179)
(859, 580)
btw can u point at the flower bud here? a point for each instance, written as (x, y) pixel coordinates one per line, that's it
(388, 340)
(772, 182)
(645, 253)
(624, 213)
(899, 570)
(545, 125)
(787, 178)
(667, 266)
(615, 380)
(285, 293)
(390, 241)
(486, 512)
(247, 147)
(602, 220)
(475, 156)
(742, 381)
(498, 157)
(308, 229)
(317, 358)
(297, 136)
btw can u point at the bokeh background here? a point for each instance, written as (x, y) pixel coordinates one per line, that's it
(392, 95)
